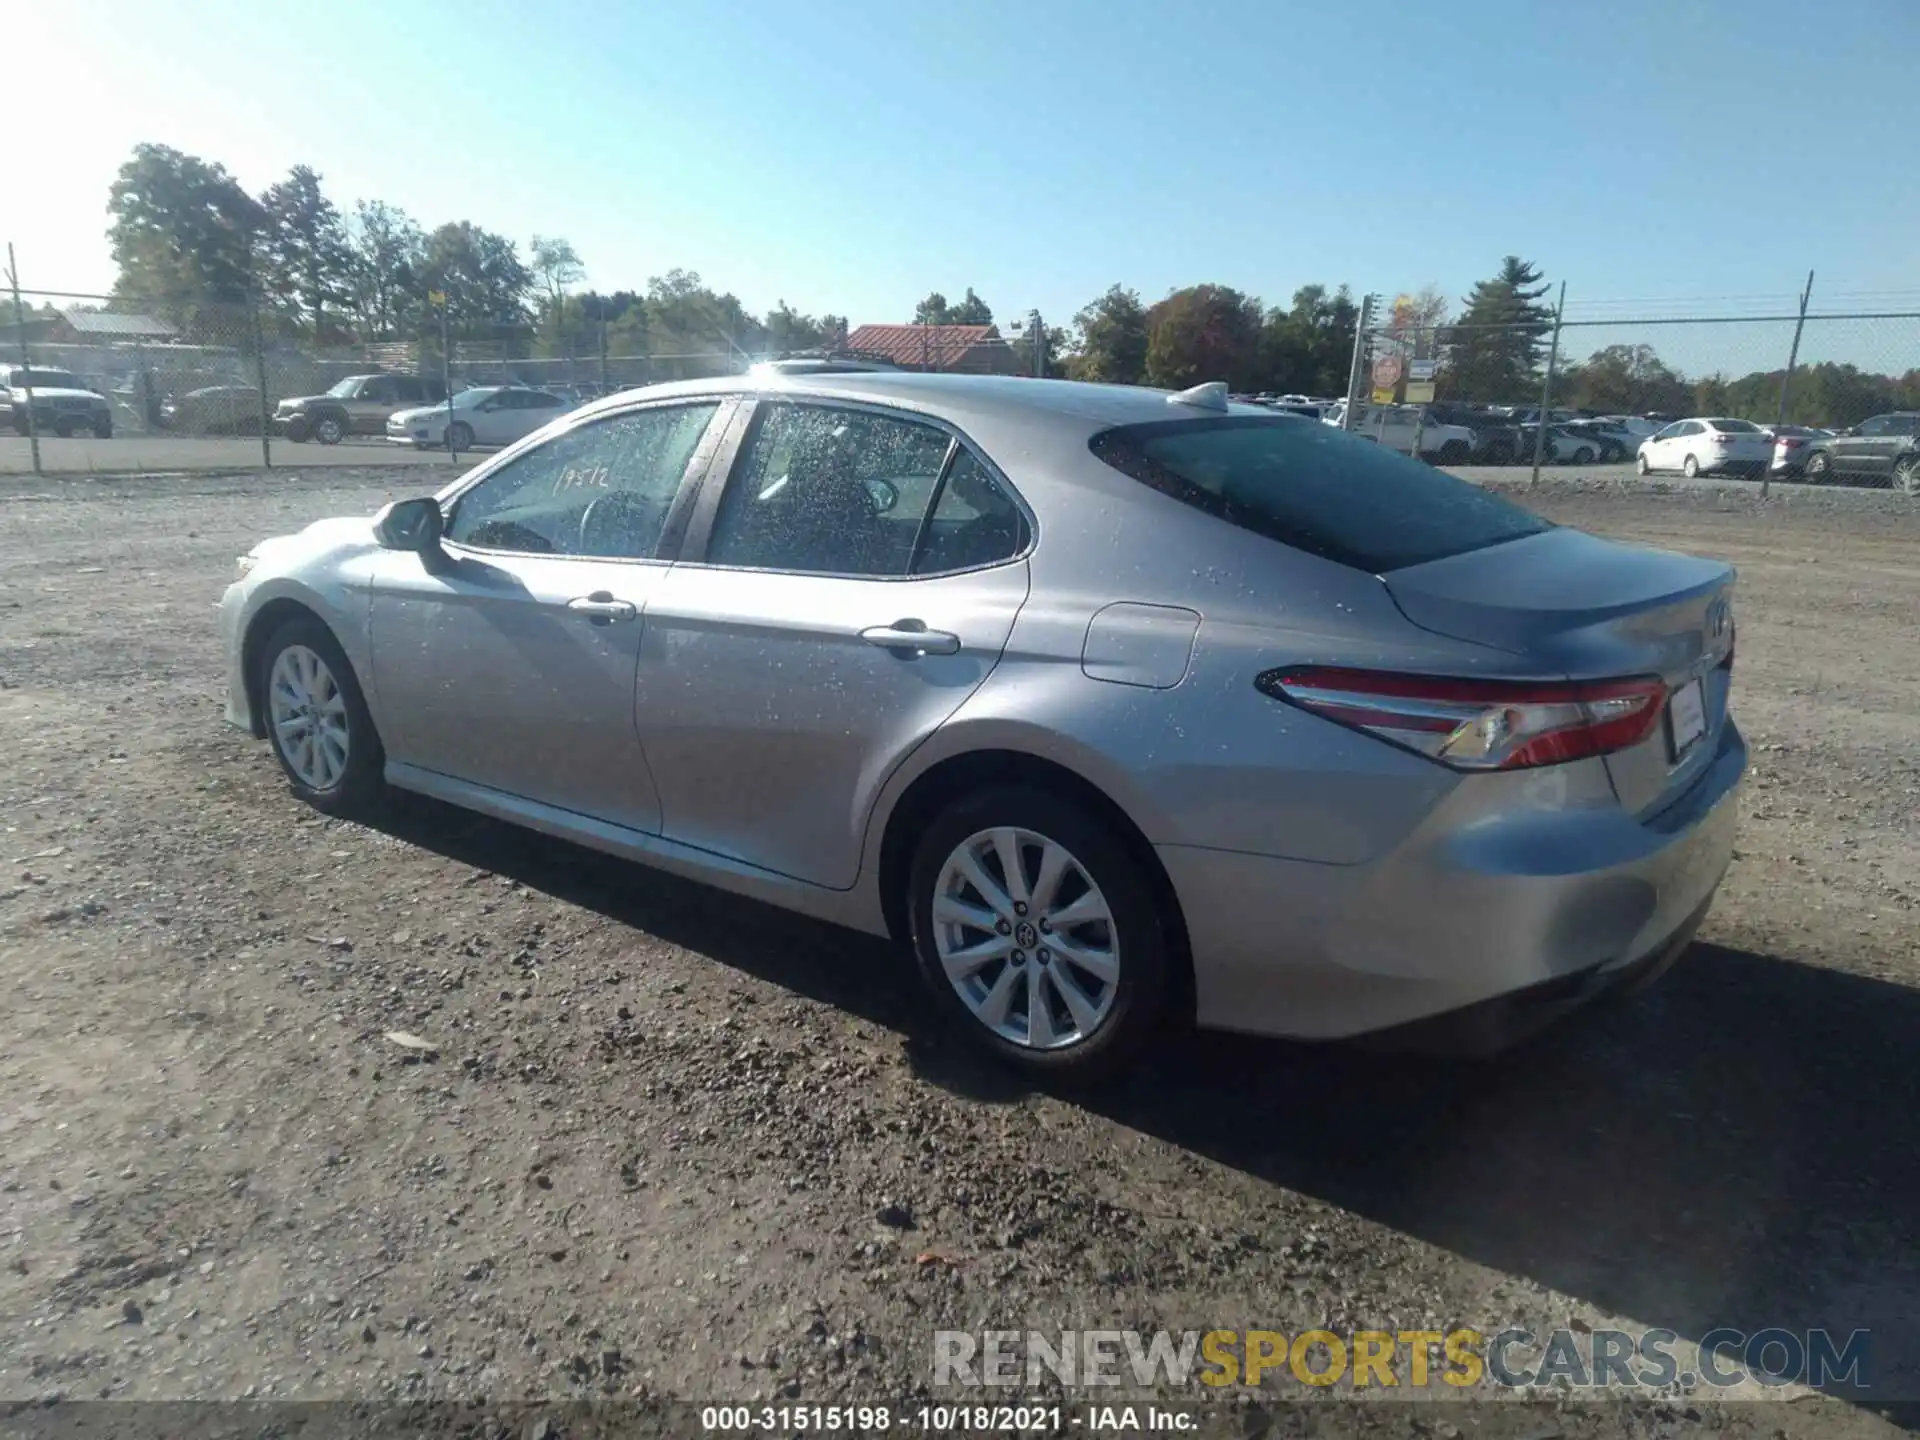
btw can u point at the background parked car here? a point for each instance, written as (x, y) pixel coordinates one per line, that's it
(484, 415)
(1707, 446)
(1611, 444)
(1396, 427)
(213, 410)
(1790, 447)
(1884, 450)
(358, 405)
(63, 403)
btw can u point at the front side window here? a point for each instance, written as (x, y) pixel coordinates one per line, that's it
(1315, 489)
(822, 490)
(600, 490)
(1876, 426)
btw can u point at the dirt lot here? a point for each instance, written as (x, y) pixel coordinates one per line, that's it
(654, 1147)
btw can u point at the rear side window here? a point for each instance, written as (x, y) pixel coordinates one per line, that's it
(1736, 427)
(1316, 489)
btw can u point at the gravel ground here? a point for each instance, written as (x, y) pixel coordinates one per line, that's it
(669, 1143)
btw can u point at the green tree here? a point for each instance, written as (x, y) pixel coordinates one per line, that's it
(481, 274)
(1110, 339)
(971, 310)
(932, 311)
(386, 255)
(787, 330)
(1499, 342)
(304, 246)
(1626, 380)
(183, 231)
(1201, 333)
(1307, 349)
(556, 264)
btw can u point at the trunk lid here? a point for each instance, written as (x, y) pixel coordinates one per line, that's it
(1580, 607)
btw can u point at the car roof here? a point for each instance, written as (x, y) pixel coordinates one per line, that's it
(1082, 405)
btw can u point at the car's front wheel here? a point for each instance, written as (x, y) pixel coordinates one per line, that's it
(317, 720)
(1819, 466)
(1038, 933)
(1640, 463)
(1906, 475)
(461, 436)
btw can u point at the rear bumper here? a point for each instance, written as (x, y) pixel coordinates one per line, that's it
(1557, 902)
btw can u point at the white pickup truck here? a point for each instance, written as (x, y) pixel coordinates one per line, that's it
(1394, 426)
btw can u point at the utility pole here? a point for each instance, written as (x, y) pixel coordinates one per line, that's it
(26, 355)
(1546, 387)
(1038, 334)
(1786, 380)
(1351, 419)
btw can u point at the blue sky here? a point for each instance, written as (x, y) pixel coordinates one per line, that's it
(850, 155)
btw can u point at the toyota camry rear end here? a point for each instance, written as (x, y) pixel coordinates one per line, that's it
(1441, 766)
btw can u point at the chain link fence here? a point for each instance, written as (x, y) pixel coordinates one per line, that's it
(1837, 393)
(98, 383)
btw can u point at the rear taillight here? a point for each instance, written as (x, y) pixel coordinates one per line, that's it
(1478, 724)
(1791, 442)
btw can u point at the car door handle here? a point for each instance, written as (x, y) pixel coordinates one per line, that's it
(914, 637)
(602, 609)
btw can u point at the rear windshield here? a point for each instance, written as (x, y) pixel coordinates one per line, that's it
(1735, 427)
(1315, 488)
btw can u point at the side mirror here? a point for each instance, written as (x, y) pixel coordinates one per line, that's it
(410, 525)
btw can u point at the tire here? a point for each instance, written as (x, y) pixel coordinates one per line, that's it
(1583, 456)
(315, 772)
(1819, 467)
(1640, 464)
(1120, 1010)
(329, 429)
(1690, 467)
(299, 430)
(1455, 452)
(64, 428)
(103, 429)
(1906, 475)
(461, 434)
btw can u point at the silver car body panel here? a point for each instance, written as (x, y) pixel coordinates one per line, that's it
(1328, 883)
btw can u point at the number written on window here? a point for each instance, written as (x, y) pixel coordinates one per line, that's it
(599, 490)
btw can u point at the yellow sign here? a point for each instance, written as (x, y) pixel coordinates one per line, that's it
(1419, 392)
(1383, 396)
(436, 297)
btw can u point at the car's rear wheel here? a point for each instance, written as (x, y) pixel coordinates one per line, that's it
(1690, 467)
(1819, 466)
(329, 430)
(1455, 452)
(317, 720)
(1037, 931)
(461, 436)
(1583, 456)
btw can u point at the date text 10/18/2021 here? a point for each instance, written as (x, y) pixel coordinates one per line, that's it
(947, 1419)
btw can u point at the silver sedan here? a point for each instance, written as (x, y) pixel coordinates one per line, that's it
(1117, 707)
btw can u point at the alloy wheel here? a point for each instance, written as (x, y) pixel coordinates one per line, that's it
(308, 716)
(1026, 938)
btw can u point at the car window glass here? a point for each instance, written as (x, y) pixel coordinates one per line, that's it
(599, 490)
(1875, 426)
(407, 390)
(828, 491)
(976, 522)
(1315, 489)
